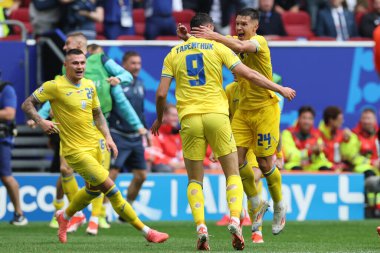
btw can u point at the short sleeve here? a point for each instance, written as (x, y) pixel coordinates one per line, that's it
(167, 69)
(46, 92)
(229, 58)
(10, 98)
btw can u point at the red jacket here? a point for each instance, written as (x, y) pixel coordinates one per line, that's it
(305, 142)
(331, 143)
(167, 146)
(369, 142)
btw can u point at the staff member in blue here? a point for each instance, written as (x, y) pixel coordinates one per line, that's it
(127, 139)
(8, 104)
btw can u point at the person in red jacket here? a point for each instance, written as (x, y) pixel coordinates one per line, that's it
(367, 130)
(165, 154)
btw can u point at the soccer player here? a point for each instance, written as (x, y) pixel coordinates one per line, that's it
(256, 123)
(85, 140)
(104, 72)
(196, 65)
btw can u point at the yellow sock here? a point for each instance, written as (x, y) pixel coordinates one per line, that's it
(103, 211)
(123, 208)
(259, 187)
(97, 205)
(248, 178)
(234, 192)
(69, 186)
(247, 174)
(196, 201)
(82, 199)
(274, 184)
(58, 205)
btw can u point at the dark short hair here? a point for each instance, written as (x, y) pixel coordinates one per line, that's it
(129, 54)
(369, 109)
(74, 51)
(306, 108)
(200, 19)
(331, 113)
(93, 47)
(249, 12)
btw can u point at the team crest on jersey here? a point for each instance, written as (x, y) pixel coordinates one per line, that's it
(83, 102)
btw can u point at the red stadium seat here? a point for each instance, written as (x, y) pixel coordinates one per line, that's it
(139, 20)
(184, 17)
(297, 24)
(130, 37)
(21, 14)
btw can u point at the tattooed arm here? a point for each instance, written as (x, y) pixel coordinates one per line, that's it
(101, 124)
(29, 109)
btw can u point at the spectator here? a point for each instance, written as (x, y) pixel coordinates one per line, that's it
(44, 15)
(285, 5)
(367, 130)
(10, 6)
(81, 16)
(159, 19)
(313, 7)
(336, 21)
(203, 6)
(270, 21)
(228, 8)
(370, 21)
(8, 103)
(165, 154)
(303, 145)
(118, 18)
(129, 140)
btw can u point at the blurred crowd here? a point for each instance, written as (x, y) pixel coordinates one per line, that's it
(154, 19)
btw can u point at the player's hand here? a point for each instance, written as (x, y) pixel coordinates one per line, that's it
(155, 127)
(288, 93)
(49, 127)
(111, 146)
(113, 80)
(31, 124)
(182, 32)
(203, 32)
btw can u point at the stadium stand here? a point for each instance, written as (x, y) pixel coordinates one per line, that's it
(297, 24)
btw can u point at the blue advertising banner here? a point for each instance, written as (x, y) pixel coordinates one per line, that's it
(163, 197)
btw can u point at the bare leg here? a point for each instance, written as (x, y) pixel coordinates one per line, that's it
(139, 176)
(13, 190)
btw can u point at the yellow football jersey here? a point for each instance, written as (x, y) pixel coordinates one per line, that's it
(232, 93)
(253, 97)
(196, 66)
(72, 106)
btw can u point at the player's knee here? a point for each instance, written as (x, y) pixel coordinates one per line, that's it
(66, 171)
(265, 164)
(140, 176)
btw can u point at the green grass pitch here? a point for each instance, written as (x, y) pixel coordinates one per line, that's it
(312, 236)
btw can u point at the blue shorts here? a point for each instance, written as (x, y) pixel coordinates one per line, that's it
(131, 153)
(5, 159)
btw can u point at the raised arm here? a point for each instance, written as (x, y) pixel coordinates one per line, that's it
(260, 80)
(101, 124)
(235, 45)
